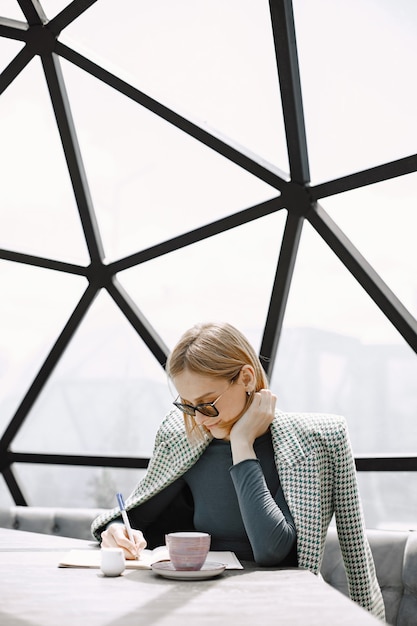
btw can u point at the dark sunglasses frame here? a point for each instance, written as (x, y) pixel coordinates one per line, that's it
(189, 409)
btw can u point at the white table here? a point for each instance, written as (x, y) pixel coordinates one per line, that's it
(34, 591)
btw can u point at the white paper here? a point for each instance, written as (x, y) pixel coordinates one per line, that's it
(92, 558)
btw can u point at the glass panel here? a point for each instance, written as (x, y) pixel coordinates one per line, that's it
(381, 221)
(53, 7)
(35, 306)
(38, 214)
(108, 390)
(212, 60)
(389, 499)
(6, 499)
(74, 486)
(227, 277)
(349, 357)
(356, 60)
(149, 180)
(11, 10)
(8, 50)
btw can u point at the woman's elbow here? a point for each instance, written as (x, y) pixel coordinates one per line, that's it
(274, 558)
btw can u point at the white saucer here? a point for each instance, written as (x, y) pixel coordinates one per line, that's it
(167, 570)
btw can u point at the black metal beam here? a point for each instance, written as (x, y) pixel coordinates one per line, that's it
(366, 276)
(69, 14)
(280, 290)
(77, 460)
(35, 261)
(373, 175)
(33, 12)
(139, 322)
(13, 29)
(60, 103)
(47, 368)
(386, 464)
(283, 28)
(230, 150)
(363, 463)
(199, 234)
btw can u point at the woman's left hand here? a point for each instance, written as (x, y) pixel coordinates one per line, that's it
(253, 423)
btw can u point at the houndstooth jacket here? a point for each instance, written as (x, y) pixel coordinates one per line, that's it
(317, 472)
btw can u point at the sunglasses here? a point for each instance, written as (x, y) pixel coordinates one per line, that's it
(205, 408)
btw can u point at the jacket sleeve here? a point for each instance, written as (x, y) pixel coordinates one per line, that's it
(172, 456)
(153, 481)
(357, 556)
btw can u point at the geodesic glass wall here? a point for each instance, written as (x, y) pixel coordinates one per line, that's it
(166, 163)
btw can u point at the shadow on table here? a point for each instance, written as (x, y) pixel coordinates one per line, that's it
(177, 595)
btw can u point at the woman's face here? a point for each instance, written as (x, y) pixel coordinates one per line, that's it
(195, 389)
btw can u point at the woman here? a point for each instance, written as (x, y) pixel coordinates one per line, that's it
(265, 484)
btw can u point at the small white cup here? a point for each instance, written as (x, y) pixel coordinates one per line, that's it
(112, 561)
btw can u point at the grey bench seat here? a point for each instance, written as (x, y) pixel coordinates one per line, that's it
(65, 522)
(395, 556)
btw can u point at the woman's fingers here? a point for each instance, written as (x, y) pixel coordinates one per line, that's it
(264, 405)
(140, 541)
(257, 418)
(116, 537)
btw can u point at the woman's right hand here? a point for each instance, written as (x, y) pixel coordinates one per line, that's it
(253, 423)
(116, 537)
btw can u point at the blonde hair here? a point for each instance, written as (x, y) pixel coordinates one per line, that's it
(218, 350)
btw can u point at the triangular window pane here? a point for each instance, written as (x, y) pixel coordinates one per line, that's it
(6, 499)
(389, 499)
(38, 213)
(339, 354)
(381, 221)
(8, 50)
(53, 7)
(11, 10)
(214, 61)
(107, 394)
(150, 181)
(35, 306)
(357, 60)
(74, 486)
(225, 278)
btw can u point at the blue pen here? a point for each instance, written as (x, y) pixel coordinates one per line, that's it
(125, 518)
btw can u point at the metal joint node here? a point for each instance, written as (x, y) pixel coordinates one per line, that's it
(99, 275)
(298, 199)
(41, 39)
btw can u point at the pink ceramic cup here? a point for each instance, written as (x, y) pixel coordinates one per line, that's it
(188, 550)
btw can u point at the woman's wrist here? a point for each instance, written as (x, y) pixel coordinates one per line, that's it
(241, 450)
